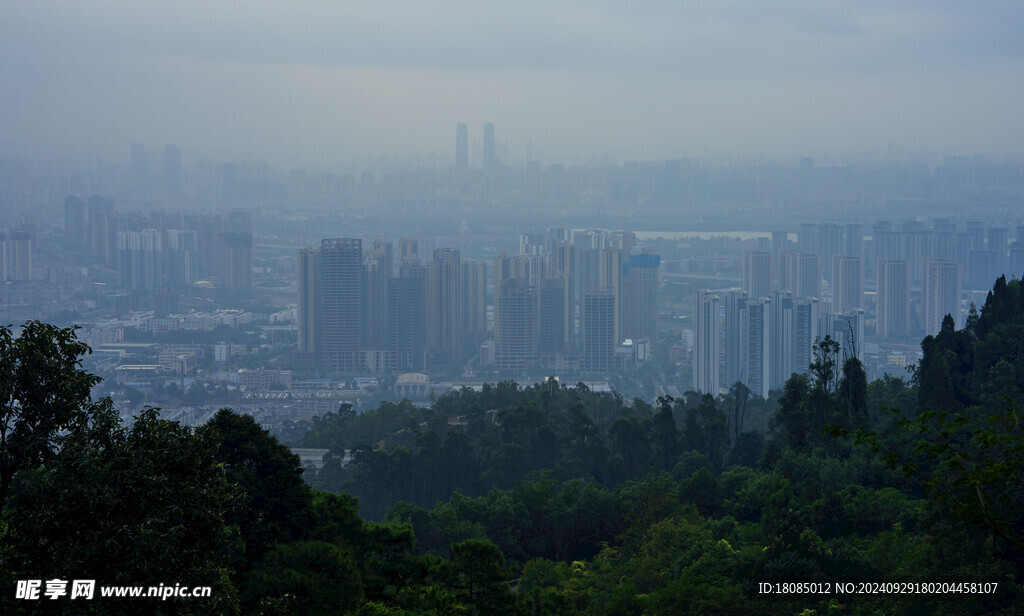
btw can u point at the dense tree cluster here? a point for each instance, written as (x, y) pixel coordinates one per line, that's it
(539, 500)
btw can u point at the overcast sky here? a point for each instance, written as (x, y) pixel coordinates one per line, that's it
(334, 80)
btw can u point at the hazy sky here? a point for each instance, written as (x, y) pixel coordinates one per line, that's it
(334, 80)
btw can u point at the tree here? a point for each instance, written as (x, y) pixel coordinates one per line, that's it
(126, 506)
(44, 394)
(279, 507)
(665, 437)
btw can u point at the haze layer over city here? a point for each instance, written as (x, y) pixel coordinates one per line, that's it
(523, 308)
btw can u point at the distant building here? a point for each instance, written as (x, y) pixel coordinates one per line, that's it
(705, 342)
(942, 291)
(462, 147)
(893, 304)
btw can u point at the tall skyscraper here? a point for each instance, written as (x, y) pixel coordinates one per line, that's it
(17, 250)
(893, 303)
(800, 273)
(942, 291)
(782, 337)
(462, 146)
(236, 261)
(75, 227)
(445, 311)
(597, 331)
(341, 316)
(705, 342)
(490, 155)
(517, 346)
(639, 302)
(847, 283)
(406, 328)
(757, 274)
(735, 342)
(475, 276)
(554, 316)
(757, 362)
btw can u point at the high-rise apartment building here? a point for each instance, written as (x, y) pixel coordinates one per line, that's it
(75, 222)
(705, 342)
(597, 349)
(519, 305)
(236, 261)
(406, 326)
(847, 283)
(445, 310)
(893, 303)
(757, 273)
(341, 315)
(942, 291)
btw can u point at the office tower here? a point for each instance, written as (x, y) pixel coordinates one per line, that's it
(782, 338)
(518, 301)
(139, 171)
(340, 307)
(490, 157)
(893, 303)
(236, 261)
(705, 342)
(1020, 236)
(853, 245)
(640, 298)
(172, 169)
(75, 227)
(3, 257)
(597, 331)
(475, 275)
(461, 146)
(981, 272)
(180, 257)
(406, 327)
(942, 291)
(735, 344)
(830, 243)
(996, 242)
(757, 274)
(757, 364)
(444, 306)
(309, 300)
(847, 284)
